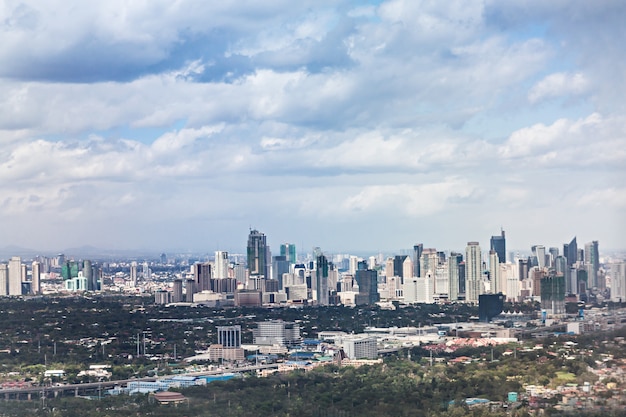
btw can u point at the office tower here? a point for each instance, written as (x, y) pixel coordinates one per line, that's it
(177, 291)
(353, 264)
(4, 279)
(407, 268)
(494, 272)
(389, 268)
(202, 276)
(280, 266)
(473, 272)
(35, 287)
(418, 248)
(453, 275)
(552, 293)
(523, 269)
(321, 280)
(241, 273)
(258, 255)
(489, 306)
(88, 274)
(133, 274)
(570, 251)
(398, 264)
(163, 259)
(442, 283)
(592, 258)
(509, 276)
(360, 347)
(539, 251)
(190, 289)
(288, 250)
(15, 276)
(162, 297)
(618, 282)
(371, 262)
(554, 253)
(367, 281)
(69, 270)
(498, 244)
(462, 289)
(147, 274)
(276, 332)
(229, 336)
(429, 262)
(221, 264)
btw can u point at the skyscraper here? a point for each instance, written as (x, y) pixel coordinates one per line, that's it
(454, 261)
(133, 274)
(201, 276)
(473, 272)
(259, 260)
(494, 272)
(221, 264)
(321, 280)
(35, 286)
(367, 280)
(288, 250)
(570, 251)
(4, 279)
(498, 244)
(417, 254)
(15, 276)
(592, 258)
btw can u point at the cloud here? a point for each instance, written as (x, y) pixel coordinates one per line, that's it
(308, 118)
(559, 85)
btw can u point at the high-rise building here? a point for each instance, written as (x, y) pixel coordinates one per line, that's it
(552, 291)
(321, 280)
(570, 251)
(221, 264)
(454, 261)
(367, 281)
(259, 260)
(418, 248)
(592, 258)
(276, 332)
(229, 336)
(280, 266)
(618, 282)
(202, 276)
(398, 265)
(133, 274)
(473, 272)
(494, 272)
(539, 251)
(498, 244)
(4, 279)
(35, 286)
(288, 250)
(147, 273)
(15, 276)
(429, 262)
(177, 291)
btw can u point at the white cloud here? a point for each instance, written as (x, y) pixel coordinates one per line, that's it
(559, 85)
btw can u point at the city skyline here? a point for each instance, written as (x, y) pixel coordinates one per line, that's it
(348, 126)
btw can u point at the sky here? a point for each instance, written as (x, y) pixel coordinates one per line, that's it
(348, 125)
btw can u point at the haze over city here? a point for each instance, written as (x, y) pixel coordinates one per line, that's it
(344, 125)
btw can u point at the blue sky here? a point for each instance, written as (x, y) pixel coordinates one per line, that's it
(347, 125)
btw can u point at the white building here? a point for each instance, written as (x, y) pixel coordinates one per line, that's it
(473, 272)
(359, 347)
